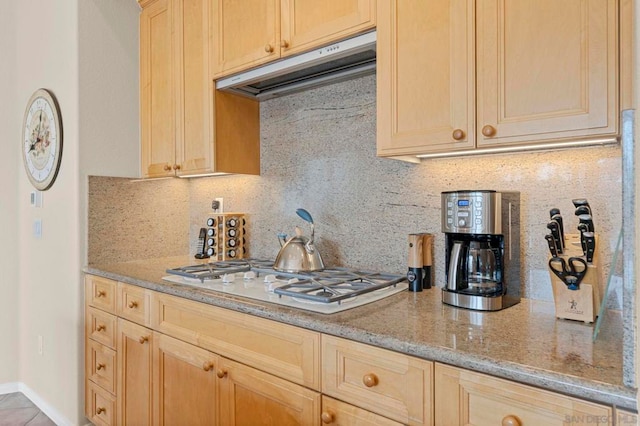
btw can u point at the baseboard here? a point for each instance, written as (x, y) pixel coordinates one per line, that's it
(47, 409)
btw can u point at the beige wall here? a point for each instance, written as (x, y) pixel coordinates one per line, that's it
(41, 289)
(11, 167)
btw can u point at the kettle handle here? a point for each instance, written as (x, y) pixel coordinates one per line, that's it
(305, 215)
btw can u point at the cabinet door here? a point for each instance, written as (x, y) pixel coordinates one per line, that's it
(546, 70)
(251, 397)
(184, 383)
(134, 373)
(194, 142)
(425, 76)
(157, 111)
(246, 34)
(310, 23)
(466, 398)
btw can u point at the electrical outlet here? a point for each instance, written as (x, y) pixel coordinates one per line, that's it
(218, 205)
(40, 345)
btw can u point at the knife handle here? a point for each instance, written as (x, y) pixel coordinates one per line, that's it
(590, 245)
(558, 218)
(552, 245)
(555, 232)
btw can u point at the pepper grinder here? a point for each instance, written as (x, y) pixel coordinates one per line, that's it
(427, 260)
(414, 272)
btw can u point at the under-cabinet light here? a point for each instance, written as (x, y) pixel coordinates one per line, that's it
(537, 147)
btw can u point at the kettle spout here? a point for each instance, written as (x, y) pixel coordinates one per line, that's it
(282, 238)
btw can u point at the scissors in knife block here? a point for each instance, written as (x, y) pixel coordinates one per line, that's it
(570, 271)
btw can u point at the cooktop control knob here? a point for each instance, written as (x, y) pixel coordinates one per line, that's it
(211, 221)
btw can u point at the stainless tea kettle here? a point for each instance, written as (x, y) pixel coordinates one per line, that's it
(298, 254)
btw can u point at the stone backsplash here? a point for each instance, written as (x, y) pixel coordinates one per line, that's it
(318, 152)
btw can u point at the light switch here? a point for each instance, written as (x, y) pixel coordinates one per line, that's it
(36, 199)
(37, 228)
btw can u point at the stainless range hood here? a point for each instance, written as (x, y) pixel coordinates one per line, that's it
(336, 62)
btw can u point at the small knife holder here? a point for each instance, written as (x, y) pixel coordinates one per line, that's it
(582, 304)
(225, 238)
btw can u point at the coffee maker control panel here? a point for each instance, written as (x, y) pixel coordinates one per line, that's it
(471, 212)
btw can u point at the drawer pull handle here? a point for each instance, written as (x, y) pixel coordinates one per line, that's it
(100, 293)
(370, 380)
(458, 134)
(133, 304)
(100, 410)
(100, 327)
(143, 339)
(207, 366)
(100, 366)
(488, 131)
(221, 374)
(511, 421)
(327, 417)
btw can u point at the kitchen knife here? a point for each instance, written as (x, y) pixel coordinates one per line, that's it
(577, 202)
(558, 218)
(582, 227)
(582, 210)
(555, 232)
(587, 220)
(552, 245)
(590, 245)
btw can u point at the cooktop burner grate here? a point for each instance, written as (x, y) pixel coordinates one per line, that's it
(327, 286)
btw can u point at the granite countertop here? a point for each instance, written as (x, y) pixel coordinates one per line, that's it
(525, 343)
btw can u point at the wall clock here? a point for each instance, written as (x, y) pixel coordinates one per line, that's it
(42, 139)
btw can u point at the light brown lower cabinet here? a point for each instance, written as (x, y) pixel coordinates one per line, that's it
(626, 418)
(134, 373)
(335, 412)
(467, 398)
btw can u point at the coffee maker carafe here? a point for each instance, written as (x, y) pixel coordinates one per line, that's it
(482, 250)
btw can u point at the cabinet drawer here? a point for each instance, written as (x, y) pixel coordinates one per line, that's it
(388, 383)
(100, 293)
(336, 412)
(132, 303)
(101, 327)
(101, 365)
(282, 350)
(100, 405)
(466, 397)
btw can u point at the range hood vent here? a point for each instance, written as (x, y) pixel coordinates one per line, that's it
(339, 61)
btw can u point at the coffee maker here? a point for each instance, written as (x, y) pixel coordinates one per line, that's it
(482, 249)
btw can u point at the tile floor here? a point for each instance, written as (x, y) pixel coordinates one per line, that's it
(17, 410)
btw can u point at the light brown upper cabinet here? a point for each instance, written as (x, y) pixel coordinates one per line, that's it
(188, 128)
(254, 32)
(458, 75)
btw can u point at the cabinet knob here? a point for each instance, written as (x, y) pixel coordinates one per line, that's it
(100, 366)
(268, 48)
(143, 339)
(167, 167)
(207, 366)
(100, 410)
(100, 293)
(221, 373)
(327, 417)
(284, 44)
(488, 131)
(176, 167)
(100, 327)
(458, 134)
(370, 380)
(133, 304)
(511, 421)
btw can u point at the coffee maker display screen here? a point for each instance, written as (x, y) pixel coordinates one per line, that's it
(463, 203)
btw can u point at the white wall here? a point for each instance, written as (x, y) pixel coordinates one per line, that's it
(10, 119)
(42, 43)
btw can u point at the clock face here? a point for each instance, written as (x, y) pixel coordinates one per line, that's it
(42, 139)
